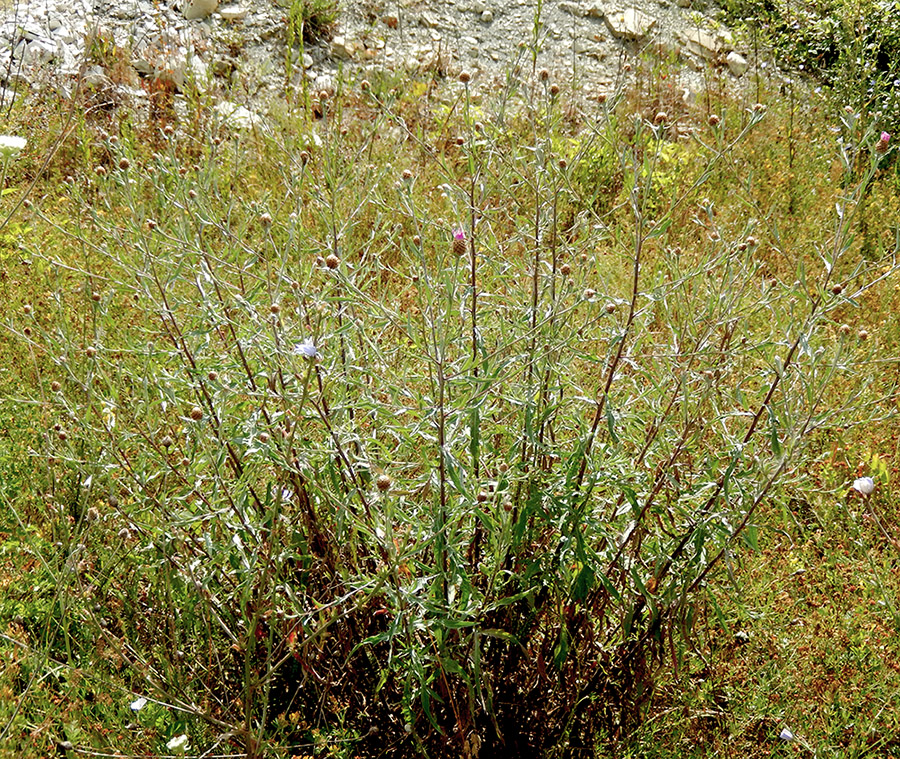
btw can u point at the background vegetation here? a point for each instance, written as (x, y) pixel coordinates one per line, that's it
(420, 424)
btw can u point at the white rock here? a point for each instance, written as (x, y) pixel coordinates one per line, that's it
(479, 6)
(487, 17)
(237, 116)
(701, 43)
(630, 24)
(196, 9)
(569, 7)
(737, 63)
(342, 48)
(233, 12)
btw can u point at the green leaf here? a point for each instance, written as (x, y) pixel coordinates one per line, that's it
(583, 584)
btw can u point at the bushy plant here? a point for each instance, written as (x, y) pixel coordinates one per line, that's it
(381, 460)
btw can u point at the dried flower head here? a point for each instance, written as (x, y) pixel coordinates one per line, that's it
(714, 119)
(332, 261)
(383, 483)
(845, 330)
(543, 75)
(459, 242)
(863, 335)
(196, 413)
(55, 386)
(661, 118)
(565, 270)
(465, 77)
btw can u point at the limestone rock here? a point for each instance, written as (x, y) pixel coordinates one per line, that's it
(342, 48)
(237, 116)
(737, 64)
(701, 43)
(197, 9)
(233, 12)
(630, 24)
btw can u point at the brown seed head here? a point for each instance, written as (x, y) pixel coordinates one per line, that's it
(543, 75)
(55, 386)
(332, 261)
(383, 483)
(845, 330)
(610, 308)
(565, 270)
(124, 164)
(661, 118)
(837, 289)
(465, 77)
(196, 413)
(714, 119)
(863, 335)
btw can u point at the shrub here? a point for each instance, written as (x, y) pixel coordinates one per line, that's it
(389, 461)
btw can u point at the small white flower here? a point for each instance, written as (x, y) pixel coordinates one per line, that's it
(178, 743)
(864, 485)
(11, 146)
(138, 704)
(786, 735)
(307, 348)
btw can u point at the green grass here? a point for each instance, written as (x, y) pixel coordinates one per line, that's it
(599, 503)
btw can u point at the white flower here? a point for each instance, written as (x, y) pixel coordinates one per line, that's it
(178, 743)
(11, 146)
(864, 485)
(138, 704)
(307, 348)
(786, 735)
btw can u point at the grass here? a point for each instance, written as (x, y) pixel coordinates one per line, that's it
(433, 425)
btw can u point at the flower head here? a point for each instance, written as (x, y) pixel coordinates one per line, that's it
(864, 485)
(11, 146)
(786, 735)
(882, 145)
(307, 349)
(459, 242)
(178, 743)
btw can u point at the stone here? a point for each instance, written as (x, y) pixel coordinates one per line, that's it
(342, 48)
(630, 24)
(487, 17)
(737, 64)
(572, 8)
(233, 12)
(198, 9)
(237, 116)
(429, 20)
(700, 43)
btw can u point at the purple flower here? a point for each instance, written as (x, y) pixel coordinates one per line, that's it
(459, 234)
(882, 145)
